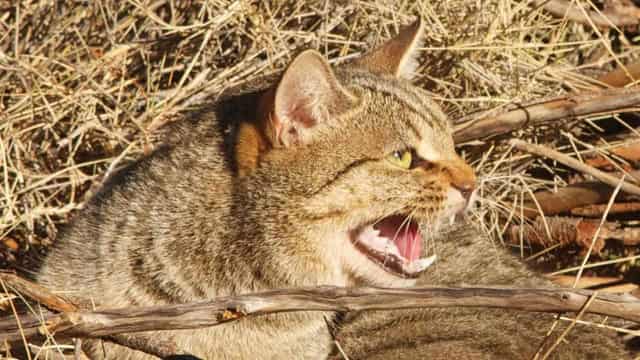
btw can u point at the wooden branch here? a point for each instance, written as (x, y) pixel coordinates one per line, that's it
(561, 230)
(151, 345)
(621, 17)
(630, 236)
(603, 163)
(604, 284)
(598, 210)
(620, 77)
(570, 230)
(37, 292)
(575, 164)
(602, 101)
(629, 151)
(227, 309)
(567, 198)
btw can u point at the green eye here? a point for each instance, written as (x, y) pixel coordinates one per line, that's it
(401, 159)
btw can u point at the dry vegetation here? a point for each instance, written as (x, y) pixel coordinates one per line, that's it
(85, 87)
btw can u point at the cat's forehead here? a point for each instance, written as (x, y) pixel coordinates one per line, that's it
(397, 107)
(435, 143)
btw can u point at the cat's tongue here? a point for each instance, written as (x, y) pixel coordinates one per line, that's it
(404, 234)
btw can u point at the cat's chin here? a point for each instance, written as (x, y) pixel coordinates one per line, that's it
(394, 244)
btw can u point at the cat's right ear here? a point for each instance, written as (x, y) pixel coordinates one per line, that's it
(397, 56)
(307, 95)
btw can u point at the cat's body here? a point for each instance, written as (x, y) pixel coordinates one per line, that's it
(303, 188)
(130, 250)
(468, 258)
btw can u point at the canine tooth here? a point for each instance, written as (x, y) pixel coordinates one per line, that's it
(452, 219)
(422, 264)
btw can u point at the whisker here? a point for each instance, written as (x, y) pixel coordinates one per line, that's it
(402, 224)
(413, 244)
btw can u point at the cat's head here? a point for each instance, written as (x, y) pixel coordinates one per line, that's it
(359, 163)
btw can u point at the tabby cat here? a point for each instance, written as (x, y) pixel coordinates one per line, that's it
(332, 176)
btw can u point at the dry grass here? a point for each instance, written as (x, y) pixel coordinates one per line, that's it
(86, 86)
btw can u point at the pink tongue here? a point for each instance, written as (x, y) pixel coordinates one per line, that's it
(404, 234)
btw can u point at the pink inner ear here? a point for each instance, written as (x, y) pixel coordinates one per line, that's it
(307, 95)
(303, 116)
(297, 105)
(301, 94)
(292, 114)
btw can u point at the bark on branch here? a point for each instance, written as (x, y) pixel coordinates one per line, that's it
(621, 76)
(597, 210)
(11, 282)
(603, 101)
(227, 309)
(35, 292)
(548, 231)
(566, 198)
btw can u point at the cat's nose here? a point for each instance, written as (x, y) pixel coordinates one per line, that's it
(466, 189)
(462, 178)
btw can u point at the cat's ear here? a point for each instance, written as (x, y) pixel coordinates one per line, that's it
(307, 95)
(398, 55)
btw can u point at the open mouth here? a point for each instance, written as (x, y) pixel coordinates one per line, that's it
(395, 244)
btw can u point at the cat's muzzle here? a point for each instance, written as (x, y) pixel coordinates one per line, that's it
(395, 244)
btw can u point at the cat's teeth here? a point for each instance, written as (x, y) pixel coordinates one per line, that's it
(420, 265)
(369, 234)
(452, 219)
(371, 237)
(391, 248)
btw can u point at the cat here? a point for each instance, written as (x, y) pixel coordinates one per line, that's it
(330, 176)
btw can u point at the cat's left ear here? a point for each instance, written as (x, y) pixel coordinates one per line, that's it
(307, 95)
(398, 55)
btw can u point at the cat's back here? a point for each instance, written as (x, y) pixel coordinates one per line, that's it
(180, 191)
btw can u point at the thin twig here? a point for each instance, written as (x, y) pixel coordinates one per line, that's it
(571, 325)
(614, 285)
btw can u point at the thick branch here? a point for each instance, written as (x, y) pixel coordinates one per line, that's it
(621, 76)
(227, 309)
(562, 230)
(567, 198)
(597, 210)
(610, 100)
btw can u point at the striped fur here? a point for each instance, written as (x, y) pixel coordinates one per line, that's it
(260, 190)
